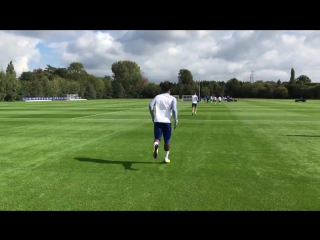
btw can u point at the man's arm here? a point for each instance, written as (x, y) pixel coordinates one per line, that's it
(175, 112)
(151, 106)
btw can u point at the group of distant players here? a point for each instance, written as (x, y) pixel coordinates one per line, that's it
(195, 99)
(216, 99)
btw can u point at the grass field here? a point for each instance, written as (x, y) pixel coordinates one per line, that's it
(97, 155)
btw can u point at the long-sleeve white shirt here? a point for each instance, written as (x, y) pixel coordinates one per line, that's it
(164, 105)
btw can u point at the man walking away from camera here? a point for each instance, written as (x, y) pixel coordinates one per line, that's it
(161, 109)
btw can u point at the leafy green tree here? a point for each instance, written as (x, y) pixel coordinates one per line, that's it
(185, 77)
(75, 71)
(151, 90)
(27, 76)
(118, 89)
(24, 89)
(55, 88)
(205, 91)
(130, 76)
(280, 92)
(98, 86)
(108, 91)
(10, 87)
(61, 72)
(90, 92)
(303, 79)
(44, 82)
(73, 87)
(233, 87)
(76, 67)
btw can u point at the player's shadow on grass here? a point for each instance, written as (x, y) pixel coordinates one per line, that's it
(302, 135)
(126, 164)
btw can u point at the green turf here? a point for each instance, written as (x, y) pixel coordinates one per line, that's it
(97, 155)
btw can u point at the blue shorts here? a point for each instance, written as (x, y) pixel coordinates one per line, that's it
(194, 105)
(162, 129)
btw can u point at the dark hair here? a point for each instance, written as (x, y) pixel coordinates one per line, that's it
(165, 87)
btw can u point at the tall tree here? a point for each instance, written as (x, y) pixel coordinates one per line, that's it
(279, 82)
(129, 75)
(3, 85)
(10, 69)
(292, 78)
(185, 77)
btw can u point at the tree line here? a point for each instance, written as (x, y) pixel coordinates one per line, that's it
(128, 81)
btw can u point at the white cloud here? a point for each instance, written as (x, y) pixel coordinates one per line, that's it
(149, 65)
(234, 66)
(210, 55)
(203, 33)
(267, 72)
(180, 33)
(215, 49)
(271, 55)
(245, 34)
(18, 49)
(201, 71)
(173, 51)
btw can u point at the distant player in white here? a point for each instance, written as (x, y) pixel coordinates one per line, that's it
(215, 100)
(161, 117)
(219, 99)
(194, 100)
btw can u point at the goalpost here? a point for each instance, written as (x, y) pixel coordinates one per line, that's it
(176, 96)
(186, 98)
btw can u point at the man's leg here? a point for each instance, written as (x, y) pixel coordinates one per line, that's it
(157, 138)
(166, 137)
(195, 109)
(192, 109)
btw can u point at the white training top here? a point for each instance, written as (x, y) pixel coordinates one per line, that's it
(194, 98)
(219, 98)
(164, 104)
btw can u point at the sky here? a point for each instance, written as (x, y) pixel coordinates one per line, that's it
(208, 54)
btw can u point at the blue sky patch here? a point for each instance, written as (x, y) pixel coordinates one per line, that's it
(47, 57)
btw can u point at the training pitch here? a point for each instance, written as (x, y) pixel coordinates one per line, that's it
(97, 155)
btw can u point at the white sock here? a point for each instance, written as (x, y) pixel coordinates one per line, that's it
(155, 143)
(167, 155)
